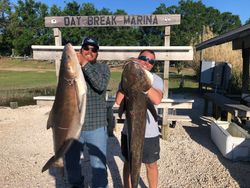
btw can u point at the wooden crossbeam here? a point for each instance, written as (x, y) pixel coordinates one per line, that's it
(172, 53)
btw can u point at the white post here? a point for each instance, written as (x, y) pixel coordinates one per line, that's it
(166, 63)
(165, 125)
(58, 42)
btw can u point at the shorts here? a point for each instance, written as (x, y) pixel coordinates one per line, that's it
(151, 149)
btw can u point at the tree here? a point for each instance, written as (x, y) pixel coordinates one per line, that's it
(228, 22)
(4, 13)
(23, 25)
(71, 35)
(5, 41)
(248, 21)
(55, 11)
(27, 25)
(195, 15)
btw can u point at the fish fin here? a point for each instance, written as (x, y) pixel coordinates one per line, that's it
(78, 96)
(49, 163)
(150, 76)
(60, 153)
(152, 109)
(121, 109)
(50, 121)
(81, 88)
(83, 109)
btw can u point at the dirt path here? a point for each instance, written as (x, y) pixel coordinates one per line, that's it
(188, 158)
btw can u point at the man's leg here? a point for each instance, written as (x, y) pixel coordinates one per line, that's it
(73, 166)
(96, 141)
(151, 153)
(152, 174)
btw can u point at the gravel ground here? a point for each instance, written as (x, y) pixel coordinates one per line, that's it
(188, 158)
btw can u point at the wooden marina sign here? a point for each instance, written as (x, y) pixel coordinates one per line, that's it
(112, 20)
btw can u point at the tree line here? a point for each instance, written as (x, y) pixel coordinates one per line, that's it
(22, 25)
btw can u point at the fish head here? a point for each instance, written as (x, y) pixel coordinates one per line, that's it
(135, 78)
(69, 63)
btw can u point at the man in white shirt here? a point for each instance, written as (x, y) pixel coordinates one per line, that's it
(151, 149)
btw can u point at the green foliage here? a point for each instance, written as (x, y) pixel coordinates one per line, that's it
(23, 25)
(5, 10)
(195, 15)
(179, 66)
(248, 21)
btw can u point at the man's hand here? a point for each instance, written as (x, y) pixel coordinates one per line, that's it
(144, 64)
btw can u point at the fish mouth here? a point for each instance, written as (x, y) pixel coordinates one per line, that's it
(135, 78)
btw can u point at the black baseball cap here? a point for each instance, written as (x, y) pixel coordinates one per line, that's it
(90, 41)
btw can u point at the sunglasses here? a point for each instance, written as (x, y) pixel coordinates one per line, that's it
(86, 48)
(144, 58)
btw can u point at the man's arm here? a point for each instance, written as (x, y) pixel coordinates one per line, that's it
(118, 98)
(155, 95)
(98, 77)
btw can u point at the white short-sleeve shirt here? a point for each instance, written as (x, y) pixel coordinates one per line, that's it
(152, 129)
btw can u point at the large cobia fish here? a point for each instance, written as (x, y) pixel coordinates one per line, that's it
(67, 114)
(134, 82)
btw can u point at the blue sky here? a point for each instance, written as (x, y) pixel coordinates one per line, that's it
(140, 7)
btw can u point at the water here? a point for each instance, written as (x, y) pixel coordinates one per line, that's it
(24, 97)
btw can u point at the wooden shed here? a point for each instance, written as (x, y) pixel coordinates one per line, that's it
(240, 39)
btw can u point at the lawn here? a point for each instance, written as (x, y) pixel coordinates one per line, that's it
(21, 80)
(19, 64)
(11, 80)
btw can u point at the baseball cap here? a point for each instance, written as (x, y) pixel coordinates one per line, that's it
(90, 41)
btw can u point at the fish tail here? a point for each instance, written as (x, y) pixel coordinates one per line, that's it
(49, 163)
(59, 154)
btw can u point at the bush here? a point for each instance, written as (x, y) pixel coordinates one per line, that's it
(236, 82)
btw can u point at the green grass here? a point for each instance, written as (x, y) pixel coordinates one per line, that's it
(21, 63)
(189, 82)
(114, 82)
(23, 86)
(22, 80)
(11, 80)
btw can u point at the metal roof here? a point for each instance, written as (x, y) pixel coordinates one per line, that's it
(240, 32)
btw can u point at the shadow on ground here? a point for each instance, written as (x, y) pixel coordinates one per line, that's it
(240, 171)
(113, 152)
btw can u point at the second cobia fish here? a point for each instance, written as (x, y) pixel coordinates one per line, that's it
(134, 82)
